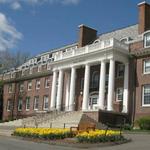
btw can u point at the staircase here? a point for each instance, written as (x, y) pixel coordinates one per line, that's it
(55, 119)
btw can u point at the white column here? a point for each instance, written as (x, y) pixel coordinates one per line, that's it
(72, 89)
(53, 91)
(59, 90)
(102, 84)
(67, 92)
(111, 82)
(86, 87)
(125, 92)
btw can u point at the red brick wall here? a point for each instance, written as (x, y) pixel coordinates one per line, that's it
(142, 79)
(41, 93)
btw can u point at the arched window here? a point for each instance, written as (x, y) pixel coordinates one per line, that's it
(97, 41)
(95, 79)
(146, 39)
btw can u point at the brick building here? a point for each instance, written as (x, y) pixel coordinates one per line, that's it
(98, 74)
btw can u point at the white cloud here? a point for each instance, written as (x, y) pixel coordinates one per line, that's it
(67, 2)
(17, 4)
(8, 34)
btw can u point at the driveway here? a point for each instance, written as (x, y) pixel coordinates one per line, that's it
(140, 142)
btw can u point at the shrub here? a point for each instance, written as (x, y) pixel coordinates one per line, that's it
(144, 123)
(127, 127)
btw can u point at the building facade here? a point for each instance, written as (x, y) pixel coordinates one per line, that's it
(109, 72)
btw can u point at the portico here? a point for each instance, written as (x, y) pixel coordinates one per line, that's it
(112, 52)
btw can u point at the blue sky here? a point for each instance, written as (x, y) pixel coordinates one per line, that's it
(36, 26)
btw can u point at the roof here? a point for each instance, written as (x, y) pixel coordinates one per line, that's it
(130, 31)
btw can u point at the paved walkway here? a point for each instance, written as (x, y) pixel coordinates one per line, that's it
(140, 142)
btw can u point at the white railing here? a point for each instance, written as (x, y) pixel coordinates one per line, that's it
(111, 43)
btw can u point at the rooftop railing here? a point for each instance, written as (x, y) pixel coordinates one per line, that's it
(102, 45)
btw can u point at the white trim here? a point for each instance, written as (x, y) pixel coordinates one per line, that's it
(47, 98)
(28, 85)
(143, 37)
(35, 98)
(117, 94)
(29, 103)
(20, 99)
(144, 67)
(38, 80)
(9, 105)
(144, 105)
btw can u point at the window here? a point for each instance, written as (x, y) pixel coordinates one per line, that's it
(20, 104)
(29, 85)
(146, 95)
(49, 66)
(147, 39)
(146, 66)
(30, 70)
(45, 105)
(10, 88)
(119, 94)
(37, 84)
(21, 87)
(9, 105)
(124, 40)
(27, 103)
(39, 68)
(47, 82)
(36, 102)
(95, 79)
(120, 70)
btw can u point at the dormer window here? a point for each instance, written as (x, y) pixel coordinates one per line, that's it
(147, 39)
(97, 41)
(126, 39)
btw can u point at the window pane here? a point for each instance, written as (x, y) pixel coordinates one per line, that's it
(146, 94)
(28, 103)
(147, 66)
(36, 103)
(46, 102)
(119, 94)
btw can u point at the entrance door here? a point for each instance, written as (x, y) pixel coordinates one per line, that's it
(93, 102)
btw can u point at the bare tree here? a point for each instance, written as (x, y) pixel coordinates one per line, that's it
(12, 60)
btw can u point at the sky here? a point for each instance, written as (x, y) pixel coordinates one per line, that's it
(36, 26)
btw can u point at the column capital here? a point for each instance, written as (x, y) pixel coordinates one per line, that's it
(103, 60)
(55, 70)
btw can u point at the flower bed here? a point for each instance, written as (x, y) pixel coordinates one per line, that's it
(100, 136)
(96, 136)
(45, 133)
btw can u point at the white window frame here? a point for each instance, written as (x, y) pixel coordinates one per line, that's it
(9, 105)
(144, 38)
(20, 100)
(44, 102)
(46, 81)
(10, 91)
(35, 102)
(21, 87)
(38, 81)
(119, 65)
(31, 70)
(144, 105)
(39, 68)
(27, 104)
(30, 82)
(144, 66)
(117, 94)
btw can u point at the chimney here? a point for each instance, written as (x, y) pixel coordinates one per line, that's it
(144, 17)
(86, 35)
